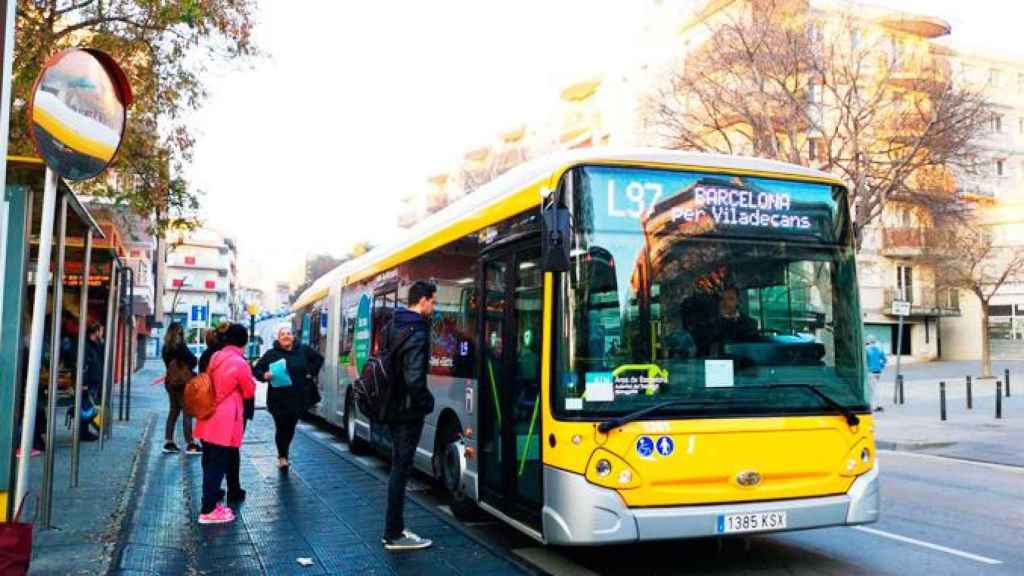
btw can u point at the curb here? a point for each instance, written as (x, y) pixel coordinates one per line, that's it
(129, 499)
(910, 446)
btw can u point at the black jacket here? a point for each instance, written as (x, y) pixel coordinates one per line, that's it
(204, 358)
(304, 365)
(92, 370)
(413, 400)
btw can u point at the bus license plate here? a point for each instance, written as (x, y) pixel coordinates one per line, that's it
(752, 522)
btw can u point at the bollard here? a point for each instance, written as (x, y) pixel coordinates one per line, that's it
(970, 404)
(1007, 374)
(942, 400)
(900, 386)
(999, 399)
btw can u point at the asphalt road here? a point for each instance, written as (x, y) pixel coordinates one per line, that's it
(940, 516)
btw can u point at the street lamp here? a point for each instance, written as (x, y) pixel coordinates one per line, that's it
(253, 308)
(182, 282)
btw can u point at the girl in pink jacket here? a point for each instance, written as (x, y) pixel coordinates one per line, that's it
(222, 432)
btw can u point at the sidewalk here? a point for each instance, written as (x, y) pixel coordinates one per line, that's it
(329, 508)
(969, 434)
(87, 518)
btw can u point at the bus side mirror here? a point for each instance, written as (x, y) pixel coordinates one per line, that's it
(556, 236)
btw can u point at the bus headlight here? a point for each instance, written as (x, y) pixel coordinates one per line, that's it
(858, 460)
(611, 471)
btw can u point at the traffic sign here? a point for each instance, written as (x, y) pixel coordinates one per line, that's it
(900, 308)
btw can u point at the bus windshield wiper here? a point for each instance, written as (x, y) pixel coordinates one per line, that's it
(608, 425)
(851, 418)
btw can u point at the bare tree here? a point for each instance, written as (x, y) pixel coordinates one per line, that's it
(966, 253)
(779, 82)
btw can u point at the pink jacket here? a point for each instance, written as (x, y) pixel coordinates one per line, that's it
(232, 381)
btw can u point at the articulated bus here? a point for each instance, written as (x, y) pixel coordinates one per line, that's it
(627, 346)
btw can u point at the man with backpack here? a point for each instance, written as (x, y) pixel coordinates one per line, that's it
(407, 339)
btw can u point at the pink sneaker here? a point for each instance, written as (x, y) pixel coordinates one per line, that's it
(220, 515)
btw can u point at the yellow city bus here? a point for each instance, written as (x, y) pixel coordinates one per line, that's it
(627, 346)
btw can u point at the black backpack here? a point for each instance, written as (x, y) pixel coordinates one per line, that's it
(379, 380)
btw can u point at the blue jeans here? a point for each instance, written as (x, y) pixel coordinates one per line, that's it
(405, 436)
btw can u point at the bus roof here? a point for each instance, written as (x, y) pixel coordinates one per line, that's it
(530, 174)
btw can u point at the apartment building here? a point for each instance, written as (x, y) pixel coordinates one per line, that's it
(612, 108)
(201, 273)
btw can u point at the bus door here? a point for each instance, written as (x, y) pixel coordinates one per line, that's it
(509, 444)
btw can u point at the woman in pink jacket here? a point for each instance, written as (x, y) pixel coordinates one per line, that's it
(222, 433)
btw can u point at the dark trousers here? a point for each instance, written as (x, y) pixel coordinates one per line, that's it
(284, 431)
(234, 467)
(176, 397)
(405, 436)
(216, 460)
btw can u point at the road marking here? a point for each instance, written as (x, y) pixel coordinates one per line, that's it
(947, 550)
(948, 459)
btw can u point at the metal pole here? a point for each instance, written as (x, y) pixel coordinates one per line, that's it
(131, 341)
(970, 400)
(55, 337)
(35, 350)
(83, 328)
(7, 12)
(942, 401)
(122, 293)
(1007, 374)
(899, 386)
(107, 345)
(899, 351)
(999, 399)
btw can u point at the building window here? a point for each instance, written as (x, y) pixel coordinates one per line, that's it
(1000, 167)
(995, 77)
(814, 93)
(814, 151)
(190, 260)
(997, 123)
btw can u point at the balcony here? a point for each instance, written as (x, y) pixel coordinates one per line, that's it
(926, 301)
(908, 242)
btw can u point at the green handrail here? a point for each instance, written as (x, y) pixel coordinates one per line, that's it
(529, 436)
(494, 391)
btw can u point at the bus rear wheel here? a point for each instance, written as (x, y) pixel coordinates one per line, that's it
(452, 463)
(356, 445)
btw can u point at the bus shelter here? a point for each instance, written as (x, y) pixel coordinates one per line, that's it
(94, 289)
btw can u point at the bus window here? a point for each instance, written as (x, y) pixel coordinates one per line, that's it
(348, 329)
(383, 310)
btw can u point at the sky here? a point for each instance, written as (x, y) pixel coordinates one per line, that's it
(309, 150)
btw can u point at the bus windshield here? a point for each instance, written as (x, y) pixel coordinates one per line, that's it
(729, 292)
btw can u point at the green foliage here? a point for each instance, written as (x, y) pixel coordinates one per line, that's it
(165, 48)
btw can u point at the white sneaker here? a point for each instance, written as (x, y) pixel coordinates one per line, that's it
(408, 541)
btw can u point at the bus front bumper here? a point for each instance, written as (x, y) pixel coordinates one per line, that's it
(578, 513)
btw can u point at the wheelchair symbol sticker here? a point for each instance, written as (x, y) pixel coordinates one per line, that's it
(665, 446)
(645, 446)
